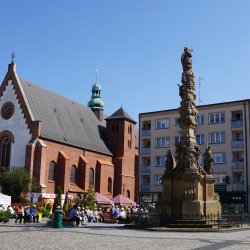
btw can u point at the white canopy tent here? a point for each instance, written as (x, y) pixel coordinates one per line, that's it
(5, 200)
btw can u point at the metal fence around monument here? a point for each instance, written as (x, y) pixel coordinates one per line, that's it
(229, 220)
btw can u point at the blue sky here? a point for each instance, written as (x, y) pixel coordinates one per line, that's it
(135, 44)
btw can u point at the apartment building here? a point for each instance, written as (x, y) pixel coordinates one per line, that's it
(224, 126)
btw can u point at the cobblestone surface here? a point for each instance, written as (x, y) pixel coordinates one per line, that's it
(115, 236)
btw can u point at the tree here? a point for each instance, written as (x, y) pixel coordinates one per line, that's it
(89, 198)
(58, 199)
(15, 180)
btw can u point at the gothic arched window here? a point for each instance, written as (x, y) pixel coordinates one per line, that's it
(128, 194)
(109, 185)
(91, 177)
(51, 176)
(73, 173)
(5, 151)
(6, 139)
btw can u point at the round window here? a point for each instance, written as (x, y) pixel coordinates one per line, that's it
(7, 110)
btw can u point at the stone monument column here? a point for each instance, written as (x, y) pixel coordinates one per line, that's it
(188, 189)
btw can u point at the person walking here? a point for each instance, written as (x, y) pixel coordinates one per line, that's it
(19, 214)
(34, 214)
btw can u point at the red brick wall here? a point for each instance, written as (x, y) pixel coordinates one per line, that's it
(63, 167)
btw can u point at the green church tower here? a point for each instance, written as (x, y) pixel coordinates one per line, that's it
(96, 103)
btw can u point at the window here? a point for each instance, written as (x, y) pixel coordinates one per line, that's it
(91, 177)
(109, 185)
(73, 172)
(162, 123)
(5, 151)
(51, 171)
(130, 129)
(129, 144)
(158, 181)
(115, 128)
(201, 159)
(177, 139)
(219, 158)
(145, 179)
(160, 161)
(177, 121)
(200, 139)
(161, 142)
(128, 194)
(219, 178)
(7, 110)
(216, 117)
(200, 119)
(217, 137)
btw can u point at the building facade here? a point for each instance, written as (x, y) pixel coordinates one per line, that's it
(224, 126)
(64, 143)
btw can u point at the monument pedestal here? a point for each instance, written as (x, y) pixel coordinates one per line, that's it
(189, 197)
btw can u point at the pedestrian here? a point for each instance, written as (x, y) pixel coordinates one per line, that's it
(34, 214)
(19, 214)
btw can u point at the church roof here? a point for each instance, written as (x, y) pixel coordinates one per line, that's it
(120, 114)
(64, 120)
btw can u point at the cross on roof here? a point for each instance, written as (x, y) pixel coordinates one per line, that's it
(13, 56)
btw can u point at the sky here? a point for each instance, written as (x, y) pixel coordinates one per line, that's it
(136, 45)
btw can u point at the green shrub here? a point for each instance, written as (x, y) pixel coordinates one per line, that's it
(45, 212)
(4, 218)
(48, 207)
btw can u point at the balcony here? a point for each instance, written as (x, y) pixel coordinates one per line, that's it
(145, 151)
(238, 165)
(238, 187)
(237, 144)
(178, 128)
(146, 133)
(236, 123)
(145, 187)
(145, 169)
(220, 187)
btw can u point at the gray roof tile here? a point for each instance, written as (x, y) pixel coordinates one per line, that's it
(120, 114)
(64, 120)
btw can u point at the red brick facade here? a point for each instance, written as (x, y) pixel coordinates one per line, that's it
(119, 168)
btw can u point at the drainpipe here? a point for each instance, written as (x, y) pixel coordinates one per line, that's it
(246, 154)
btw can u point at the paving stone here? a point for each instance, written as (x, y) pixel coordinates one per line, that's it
(115, 236)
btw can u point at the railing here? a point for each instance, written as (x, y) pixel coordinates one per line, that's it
(238, 165)
(219, 221)
(145, 169)
(145, 187)
(237, 124)
(145, 151)
(145, 133)
(178, 128)
(237, 144)
(238, 187)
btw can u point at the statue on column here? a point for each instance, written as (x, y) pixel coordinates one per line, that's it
(208, 160)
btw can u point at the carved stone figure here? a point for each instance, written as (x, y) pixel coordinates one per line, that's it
(170, 161)
(208, 160)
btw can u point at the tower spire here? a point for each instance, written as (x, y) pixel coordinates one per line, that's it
(96, 103)
(96, 75)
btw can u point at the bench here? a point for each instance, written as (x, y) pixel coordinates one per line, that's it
(107, 218)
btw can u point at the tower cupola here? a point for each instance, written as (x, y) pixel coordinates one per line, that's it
(96, 103)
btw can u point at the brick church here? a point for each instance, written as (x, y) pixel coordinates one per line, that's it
(64, 143)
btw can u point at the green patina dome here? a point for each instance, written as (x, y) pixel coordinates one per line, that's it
(96, 103)
(96, 87)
